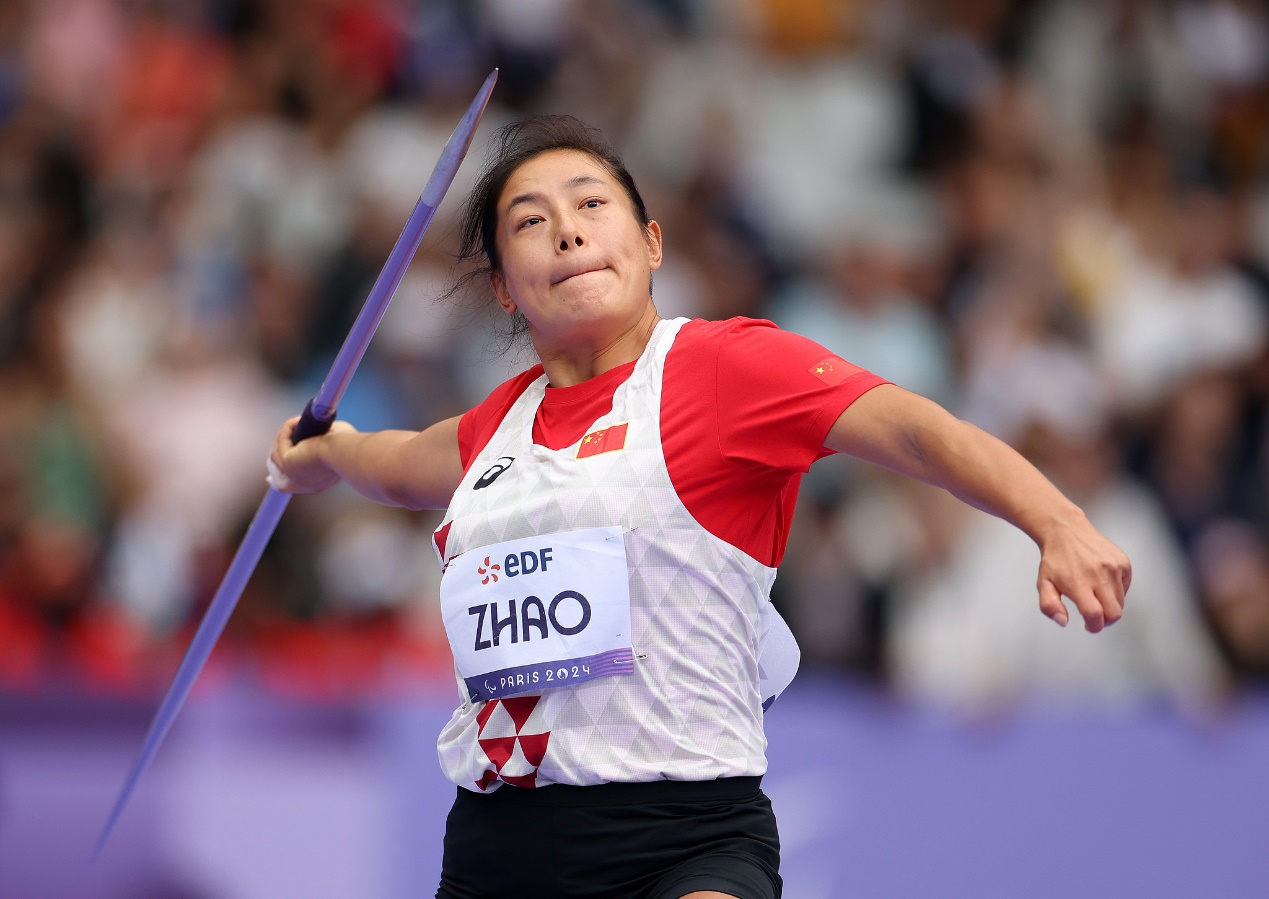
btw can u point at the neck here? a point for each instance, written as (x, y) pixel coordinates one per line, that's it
(576, 360)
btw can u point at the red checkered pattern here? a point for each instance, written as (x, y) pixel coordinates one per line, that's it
(514, 754)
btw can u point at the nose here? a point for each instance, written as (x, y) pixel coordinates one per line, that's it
(570, 233)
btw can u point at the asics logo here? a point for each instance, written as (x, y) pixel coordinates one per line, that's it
(492, 474)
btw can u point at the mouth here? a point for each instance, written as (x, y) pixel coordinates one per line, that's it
(577, 274)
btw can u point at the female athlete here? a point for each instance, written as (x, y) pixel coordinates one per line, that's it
(615, 516)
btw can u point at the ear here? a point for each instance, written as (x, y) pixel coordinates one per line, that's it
(652, 235)
(499, 285)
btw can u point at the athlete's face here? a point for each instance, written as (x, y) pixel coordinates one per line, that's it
(575, 259)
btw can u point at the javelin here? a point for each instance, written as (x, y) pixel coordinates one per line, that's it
(317, 419)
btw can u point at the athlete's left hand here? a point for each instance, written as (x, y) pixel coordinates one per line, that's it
(1077, 562)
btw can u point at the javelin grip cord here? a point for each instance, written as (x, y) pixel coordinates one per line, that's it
(310, 425)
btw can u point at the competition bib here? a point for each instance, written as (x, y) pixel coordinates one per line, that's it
(538, 613)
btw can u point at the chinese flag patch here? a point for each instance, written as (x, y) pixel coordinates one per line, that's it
(832, 371)
(604, 441)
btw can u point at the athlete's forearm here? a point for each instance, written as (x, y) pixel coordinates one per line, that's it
(417, 470)
(988, 474)
(918, 438)
(366, 461)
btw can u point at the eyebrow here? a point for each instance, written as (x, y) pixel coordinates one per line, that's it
(535, 197)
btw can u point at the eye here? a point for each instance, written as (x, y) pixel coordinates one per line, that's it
(531, 220)
(592, 204)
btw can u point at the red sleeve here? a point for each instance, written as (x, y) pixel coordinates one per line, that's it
(477, 425)
(779, 394)
(745, 408)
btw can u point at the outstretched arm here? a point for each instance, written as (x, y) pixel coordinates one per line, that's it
(918, 438)
(414, 469)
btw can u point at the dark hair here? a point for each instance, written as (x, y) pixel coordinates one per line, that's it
(510, 147)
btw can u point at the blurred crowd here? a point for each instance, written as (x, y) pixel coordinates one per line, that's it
(1051, 216)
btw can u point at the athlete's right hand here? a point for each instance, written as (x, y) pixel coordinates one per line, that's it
(302, 467)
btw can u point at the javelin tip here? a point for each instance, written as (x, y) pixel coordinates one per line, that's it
(458, 144)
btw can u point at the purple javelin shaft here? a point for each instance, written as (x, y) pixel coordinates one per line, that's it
(317, 419)
(320, 413)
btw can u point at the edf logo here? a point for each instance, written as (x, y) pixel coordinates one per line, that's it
(515, 564)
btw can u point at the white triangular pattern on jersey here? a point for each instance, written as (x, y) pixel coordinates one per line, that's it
(499, 724)
(536, 722)
(699, 606)
(517, 765)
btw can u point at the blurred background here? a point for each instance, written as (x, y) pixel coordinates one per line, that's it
(1052, 216)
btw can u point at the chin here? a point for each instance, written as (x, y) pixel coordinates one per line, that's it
(592, 300)
(592, 316)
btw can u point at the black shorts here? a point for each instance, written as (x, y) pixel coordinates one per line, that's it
(657, 840)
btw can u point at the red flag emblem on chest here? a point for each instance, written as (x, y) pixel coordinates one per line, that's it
(832, 371)
(605, 441)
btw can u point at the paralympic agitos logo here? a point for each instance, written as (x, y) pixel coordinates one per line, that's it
(494, 471)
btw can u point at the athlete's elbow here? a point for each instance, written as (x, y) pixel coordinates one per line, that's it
(935, 453)
(415, 497)
(400, 496)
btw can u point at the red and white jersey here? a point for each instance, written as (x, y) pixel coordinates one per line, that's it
(633, 448)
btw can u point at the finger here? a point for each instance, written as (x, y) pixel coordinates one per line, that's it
(1051, 602)
(1112, 609)
(276, 479)
(1113, 587)
(281, 444)
(284, 440)
(1125, 574)
(1091, 608)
